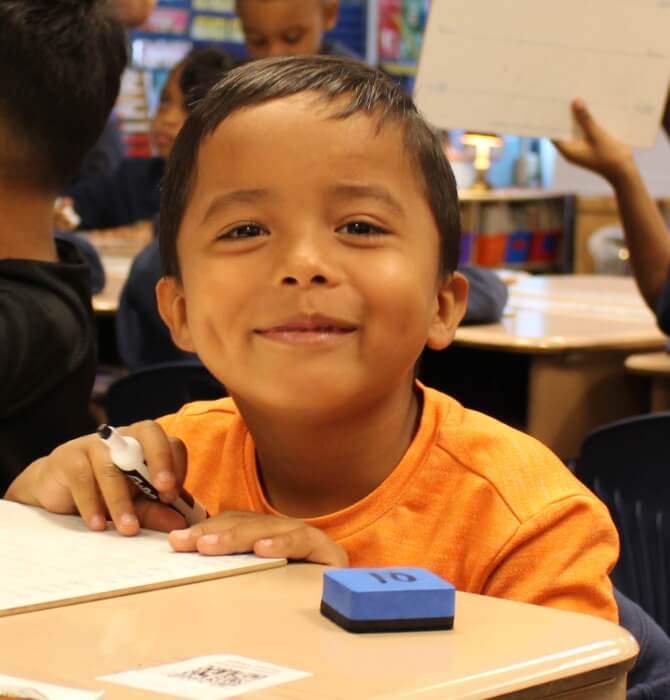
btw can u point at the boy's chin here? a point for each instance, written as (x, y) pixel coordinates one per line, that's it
(318, 401)
(306, 402)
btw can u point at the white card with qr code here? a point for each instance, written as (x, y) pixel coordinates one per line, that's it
(207, 677)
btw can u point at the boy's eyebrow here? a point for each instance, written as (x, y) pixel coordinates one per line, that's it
(292, 28)
(221, 201)
(378, 192)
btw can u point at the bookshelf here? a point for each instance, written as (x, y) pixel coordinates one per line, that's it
(517, 228)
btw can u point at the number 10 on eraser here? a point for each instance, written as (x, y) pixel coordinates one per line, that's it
(388, 599)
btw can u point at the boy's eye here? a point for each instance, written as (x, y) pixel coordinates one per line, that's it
(244, 231)
(362, 228)
(293, 37)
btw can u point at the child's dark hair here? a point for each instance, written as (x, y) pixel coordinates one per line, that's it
(201, 68)
(330, 78)
(61, 69)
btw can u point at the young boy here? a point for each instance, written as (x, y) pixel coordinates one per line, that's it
(62, 64)
(309, 233)
(289, 27)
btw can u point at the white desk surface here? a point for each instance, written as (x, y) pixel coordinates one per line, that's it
(117, 256)
(558, 313)
(497, 647)
(654, 364)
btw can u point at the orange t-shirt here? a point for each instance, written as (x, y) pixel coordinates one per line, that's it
(485, 506)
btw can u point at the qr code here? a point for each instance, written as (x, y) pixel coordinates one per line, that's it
(220, 676)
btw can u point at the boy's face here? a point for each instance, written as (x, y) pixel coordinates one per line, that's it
(309, 261)
(170, 116)
(133, 13)
(285, 27)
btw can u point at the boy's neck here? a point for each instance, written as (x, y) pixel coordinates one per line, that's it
(26, 224)
(312, 469)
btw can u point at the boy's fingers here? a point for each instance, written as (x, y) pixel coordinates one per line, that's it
(115, 489)
(165, 458)
(591, 130)
(266, 536)
(86, 495)
(71, 489)
(222, 533)
(157, 516)
(179, 459)
(306, 543)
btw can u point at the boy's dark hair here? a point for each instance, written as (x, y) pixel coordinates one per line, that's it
(61, 69)
(330, 78)
(201, 68)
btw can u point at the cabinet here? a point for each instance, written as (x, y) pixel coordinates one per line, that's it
(528, 229)
(592, 214)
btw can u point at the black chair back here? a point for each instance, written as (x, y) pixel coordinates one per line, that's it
(627, 465)
(157, 390)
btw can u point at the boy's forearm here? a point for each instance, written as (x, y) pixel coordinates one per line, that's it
(646, 234)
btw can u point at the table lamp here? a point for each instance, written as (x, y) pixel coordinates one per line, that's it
(483, 144)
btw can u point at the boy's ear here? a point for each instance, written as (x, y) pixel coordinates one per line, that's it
(172, 308)
(330, 13)
(452, 299)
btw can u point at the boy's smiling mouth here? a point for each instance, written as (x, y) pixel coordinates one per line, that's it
(307, 329)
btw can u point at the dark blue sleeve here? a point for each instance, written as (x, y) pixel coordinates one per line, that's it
(649, 679)
(98, 202)
(103, 159)
(662, 308)
(143, 339)
(487, 295)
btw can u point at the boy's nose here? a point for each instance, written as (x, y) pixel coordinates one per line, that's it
(278, 48)
(313, 280)
(306, 261)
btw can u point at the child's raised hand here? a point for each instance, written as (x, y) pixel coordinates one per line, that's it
(79, 477)
(65, 217)
(233, 531)
(596, 150)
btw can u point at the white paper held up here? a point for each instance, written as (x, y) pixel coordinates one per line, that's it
(514, 66)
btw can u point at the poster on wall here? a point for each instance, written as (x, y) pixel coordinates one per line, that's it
(227, 6)
(165, 20)
(401, 25)
(215, 28)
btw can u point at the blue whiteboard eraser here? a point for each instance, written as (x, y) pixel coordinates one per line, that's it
(388, 599)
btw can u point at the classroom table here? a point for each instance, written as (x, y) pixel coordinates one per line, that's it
(498, 648)
(116, 255)
(575, 331)
(656, 367)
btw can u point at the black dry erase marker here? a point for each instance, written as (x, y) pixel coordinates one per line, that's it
(128, 456)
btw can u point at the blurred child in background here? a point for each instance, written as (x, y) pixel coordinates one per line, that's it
(127, 201)
(47, 330)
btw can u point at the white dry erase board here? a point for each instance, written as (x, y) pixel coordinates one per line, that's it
(50, 560)
(514, 66)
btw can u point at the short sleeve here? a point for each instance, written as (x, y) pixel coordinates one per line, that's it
(575, 544)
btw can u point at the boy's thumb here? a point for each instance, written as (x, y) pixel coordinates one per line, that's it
(584, 119)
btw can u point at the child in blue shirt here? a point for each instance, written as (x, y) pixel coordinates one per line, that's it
(129, 199)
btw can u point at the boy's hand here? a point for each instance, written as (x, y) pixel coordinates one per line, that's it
(79, 477)
(65, 217)
(233, 532)
(596, 150)
(665, 121)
